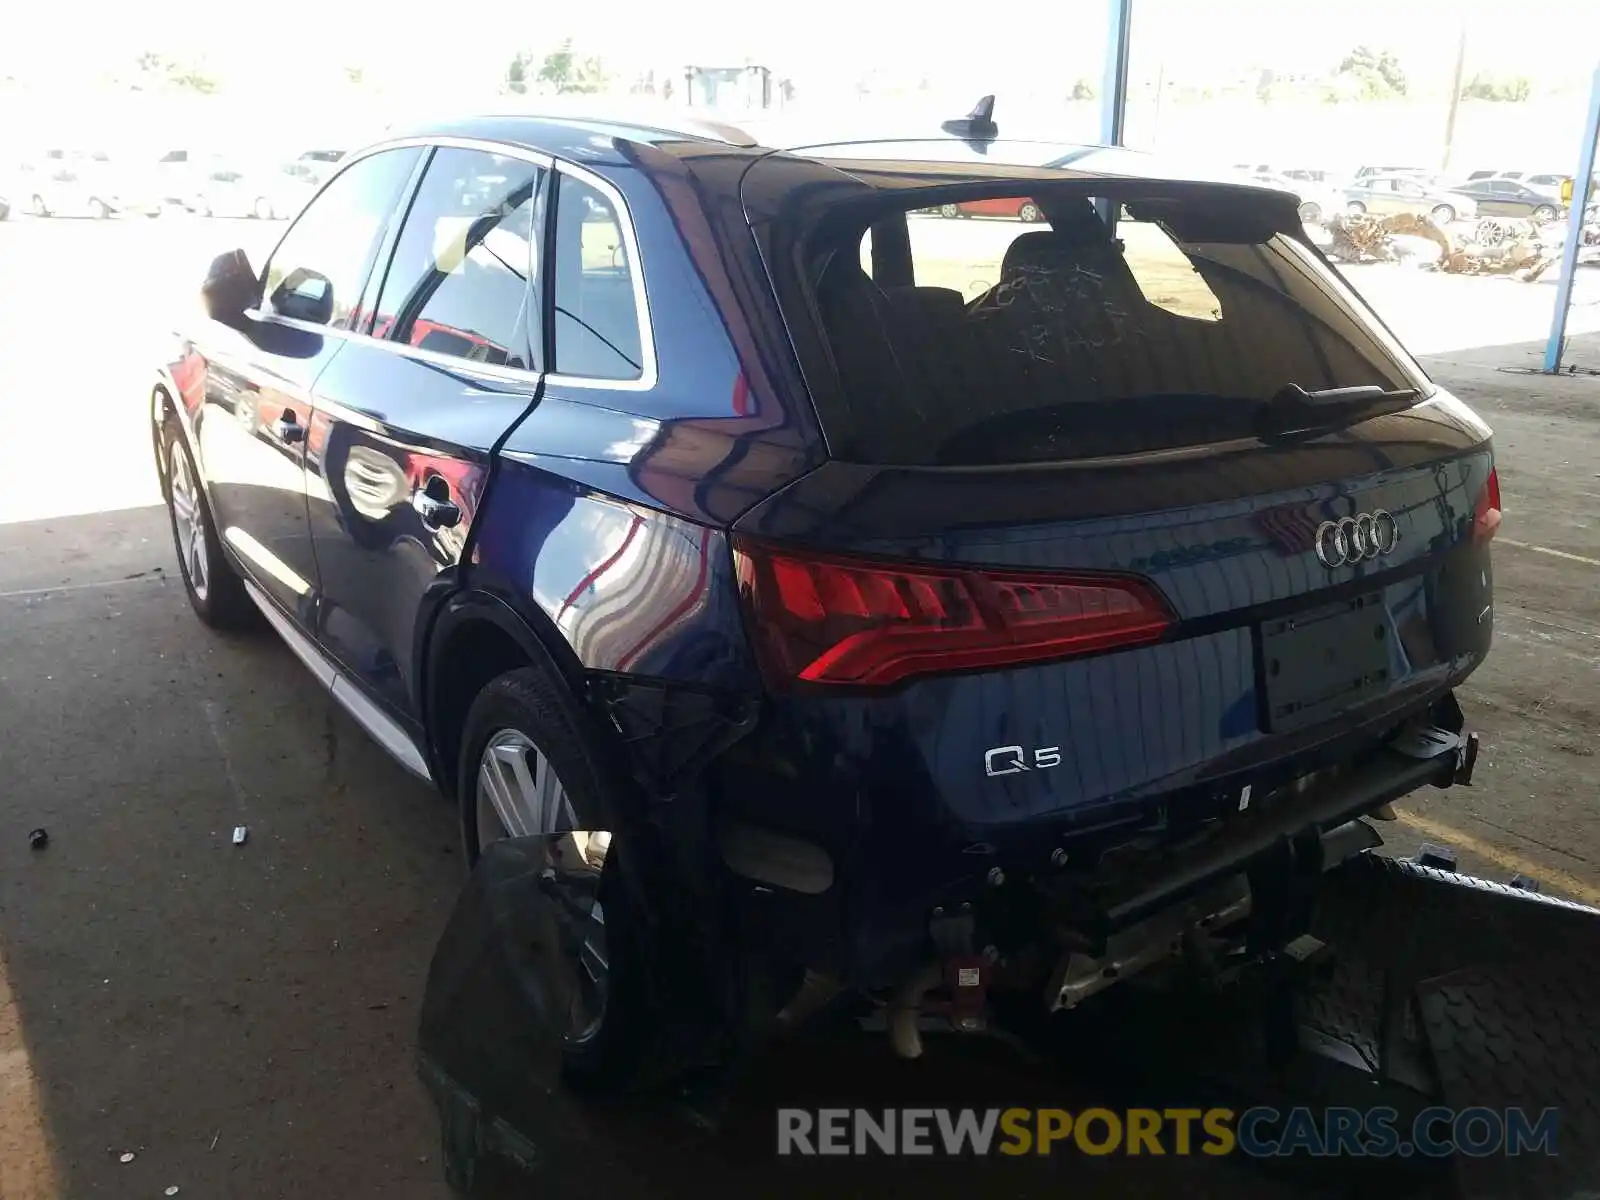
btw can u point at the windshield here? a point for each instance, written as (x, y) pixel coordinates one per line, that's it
(1004, 329)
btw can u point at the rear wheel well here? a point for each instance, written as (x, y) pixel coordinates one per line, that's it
(475, 653)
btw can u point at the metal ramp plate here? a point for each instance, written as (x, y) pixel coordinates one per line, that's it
(1524, 1038)
(1497, 987)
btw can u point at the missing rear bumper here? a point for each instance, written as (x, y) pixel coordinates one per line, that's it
(1419, 757)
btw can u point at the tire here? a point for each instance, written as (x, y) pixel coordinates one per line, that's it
(100, 209)
(949, 210)
(1443, 214)
(39, 207)
(1356, 209)
(261, 210)
(606, 1050)
(1029, 212)
(215, 591)
(1310, 213)
(1545, 212)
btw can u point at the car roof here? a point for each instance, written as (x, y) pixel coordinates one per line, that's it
(600, 138)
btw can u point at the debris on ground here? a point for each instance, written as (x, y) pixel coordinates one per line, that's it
(241, 834)
(39, 838)
(127, 1157)
(1523, 249)
(173, 1190)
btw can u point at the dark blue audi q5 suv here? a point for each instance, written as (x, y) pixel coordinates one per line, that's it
(819, 596)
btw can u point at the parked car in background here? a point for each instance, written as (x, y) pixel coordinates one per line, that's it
(1369, 172)
(320, 163)
(264, 191)
(1298, 174)
(1316, 201)
(84, 183)
(1508, 198)
(1017, 209)
(1383, 195)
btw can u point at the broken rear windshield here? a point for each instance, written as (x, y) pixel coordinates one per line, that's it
(985, 329)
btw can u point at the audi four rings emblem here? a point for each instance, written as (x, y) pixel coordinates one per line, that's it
(1356, 539)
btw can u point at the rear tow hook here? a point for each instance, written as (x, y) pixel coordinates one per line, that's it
(1431, 742)
(965, 975)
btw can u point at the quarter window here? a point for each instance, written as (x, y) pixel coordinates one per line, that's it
(461, 281)
(598, 333)
(317, 272)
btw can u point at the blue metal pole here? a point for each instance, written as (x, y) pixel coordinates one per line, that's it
(1569, 252)
(1114, 88)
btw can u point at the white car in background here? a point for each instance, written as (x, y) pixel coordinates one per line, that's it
(266, 191)
(1317, 202)
(83, 183)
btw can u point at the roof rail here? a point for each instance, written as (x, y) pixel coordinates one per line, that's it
(657, 117)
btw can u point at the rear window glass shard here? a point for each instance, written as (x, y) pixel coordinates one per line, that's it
(1017, 329)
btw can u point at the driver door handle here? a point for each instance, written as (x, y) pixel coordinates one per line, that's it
(433, 504)
(288, 430)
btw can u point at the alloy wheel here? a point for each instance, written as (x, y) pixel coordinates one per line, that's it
(520, 795)
(188, 521)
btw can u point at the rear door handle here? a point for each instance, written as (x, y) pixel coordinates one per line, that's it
(288, 430)
(433, 504)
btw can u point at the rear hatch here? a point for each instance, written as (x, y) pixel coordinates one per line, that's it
(1102, 533)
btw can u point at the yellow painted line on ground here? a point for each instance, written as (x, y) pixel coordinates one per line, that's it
(1577, 558)
(27, 1171)
(1508, 860)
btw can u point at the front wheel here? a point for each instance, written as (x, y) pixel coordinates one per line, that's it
(39, 207)
(949, 210)
(1356, 209)
(1310, 213)
(1545, 212)
(215, 591)
(1443, 214)
(527, 771)
(100, 209)
(1029, 212)
(262, 209)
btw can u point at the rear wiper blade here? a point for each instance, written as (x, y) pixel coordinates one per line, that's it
(1294, 410)
(1292, 395)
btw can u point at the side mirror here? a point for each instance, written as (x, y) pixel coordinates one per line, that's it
(304, 295)
(230, 288)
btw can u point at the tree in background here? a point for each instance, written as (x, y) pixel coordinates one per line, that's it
(517, 72)
(564, 73)
(1377, 74)
(157, 70)
(1486, 86)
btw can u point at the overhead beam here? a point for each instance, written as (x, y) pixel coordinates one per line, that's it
(1114, 89)
(1569, 252)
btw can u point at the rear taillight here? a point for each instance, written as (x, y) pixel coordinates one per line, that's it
(829, 620)
(1486, 513)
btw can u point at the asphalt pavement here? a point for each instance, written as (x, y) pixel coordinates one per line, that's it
(241, 1019)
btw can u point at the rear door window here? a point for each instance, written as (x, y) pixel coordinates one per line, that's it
(461, 281)
(999, 341)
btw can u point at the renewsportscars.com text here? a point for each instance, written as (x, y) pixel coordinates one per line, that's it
(1255, 1132)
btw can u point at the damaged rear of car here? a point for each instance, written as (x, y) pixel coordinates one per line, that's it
(1140, 562)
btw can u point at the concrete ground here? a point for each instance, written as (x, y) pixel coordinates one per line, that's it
(241, 1019)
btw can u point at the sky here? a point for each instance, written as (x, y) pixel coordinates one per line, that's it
(838, 37)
